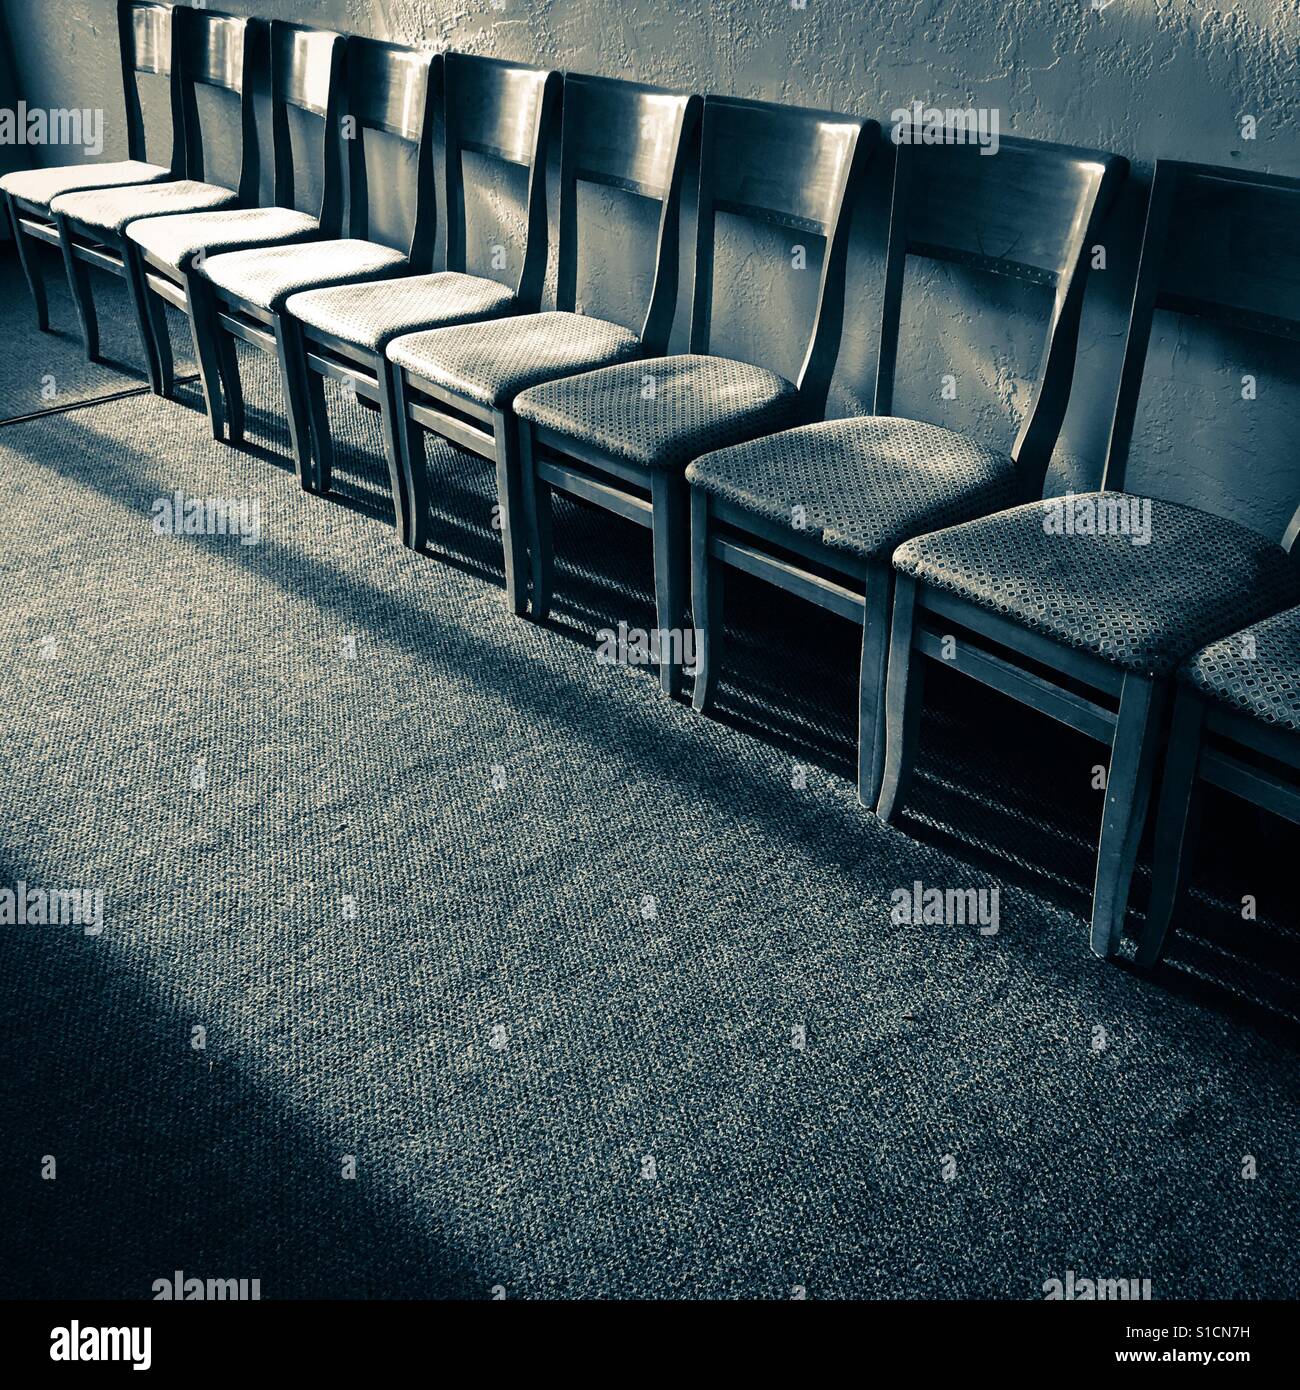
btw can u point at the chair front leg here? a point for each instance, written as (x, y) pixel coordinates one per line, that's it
(391, 414)
(505, 435)
(200, 309)
(1128, 791)
(1176, 824)
(27, 258)
(707, 579)
(318, 418)
(414, 462)
(672, 570)
(871, 681)
(144, 321)
(292, 360)
(904, 693)
(541, 540)
(82, 295)
(232, 386)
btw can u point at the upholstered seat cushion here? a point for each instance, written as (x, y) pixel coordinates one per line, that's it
(862, 485)
(1142, 607)
(492, 362)
(1255, 671)
(665, 411)
(110, 209)
(175, 239)
(267, 275)
(369, 315)
(42, 186)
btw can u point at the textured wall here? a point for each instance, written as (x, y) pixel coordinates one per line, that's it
(1142, 77)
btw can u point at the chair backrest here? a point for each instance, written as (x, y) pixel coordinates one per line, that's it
(148, 42)
(1030, 210)
(307, 75)
(793, 167)
(634, 138)
(390, 89)
(216, 50)
(1220, 245)
(504, 111)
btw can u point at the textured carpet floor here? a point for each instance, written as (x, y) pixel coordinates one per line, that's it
(596, 999)
(50, 371)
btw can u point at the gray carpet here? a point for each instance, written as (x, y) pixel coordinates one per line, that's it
(49, 371)
(557, 1030)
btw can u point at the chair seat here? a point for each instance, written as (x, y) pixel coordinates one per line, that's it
(42, 186)
(110, 209)
(1255, 671)
(174, 240)
(1142, 607)
(665, 411)
(370, 314)
(861, 485)
(267, 275)
(491, 363)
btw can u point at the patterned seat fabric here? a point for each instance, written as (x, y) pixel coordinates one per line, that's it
(369, 315)
(1256, 671)
(863, 485)
(492, 362)
(1142, 607)
(42, 186)
(110, 209)
(663, 412)
(173, 240)
(267, 275)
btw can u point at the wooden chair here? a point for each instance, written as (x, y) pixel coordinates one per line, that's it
(504, 110)
(461, 382)
(212, 50)
(1089, 627)
(147, 44)
(621, 437)
(1236, 725)
(819, 510)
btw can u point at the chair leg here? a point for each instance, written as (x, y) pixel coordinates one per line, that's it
(707, 580)
(144, 322)
(414, 462)
(201, 311)
(541, 538)
(31, 268)
(1176, 823)
(293, 371)
(391, 412)
(871, 682)
(318, 417)
(904, 694)
(82, 295)
(668, 498)
(232, 387)
(156, 308)
(1128, 790)
(505, 433)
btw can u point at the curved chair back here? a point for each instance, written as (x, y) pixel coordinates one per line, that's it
(216, 50)
(1032, 210)
(792, 167)
(307, 75)
(148, 42)
(504, 111)
(634, 138)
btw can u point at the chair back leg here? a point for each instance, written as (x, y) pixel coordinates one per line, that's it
(82, 294)
(1128, 792)
(871, 681)
(541, 538)
(707, 580)
(201, 309)
(289, 354)
(668, 498)
(1176, 824)
(505, 435)
(904, 692)
(144, 320)
(391, 418)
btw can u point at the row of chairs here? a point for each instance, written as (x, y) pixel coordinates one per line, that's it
(938, 545)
